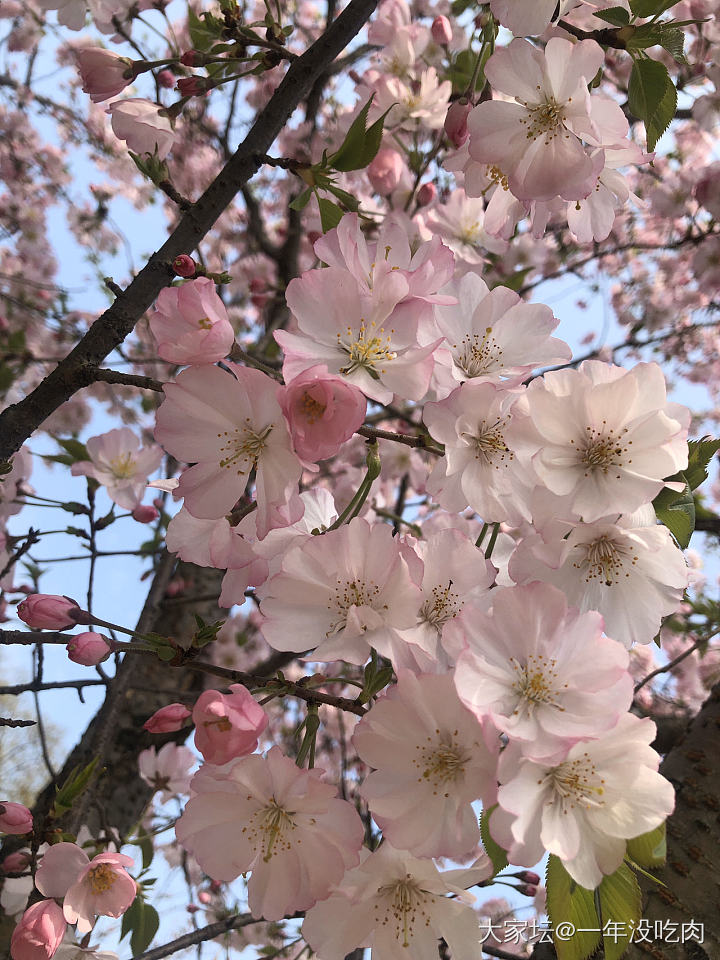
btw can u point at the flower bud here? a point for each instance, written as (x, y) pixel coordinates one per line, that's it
(441, 31)
(194, 86)
(204, 897)
(39, 932)
(15, 818)
(191, 58)
(385, 171)
(167, 719)
(455, 124)
(88, 649)
(426, 194)
(15, 862)
(47, 611)
(166, 78)
(184, 265)
(144, 513)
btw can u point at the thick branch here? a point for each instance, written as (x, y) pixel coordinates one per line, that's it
(19, 420)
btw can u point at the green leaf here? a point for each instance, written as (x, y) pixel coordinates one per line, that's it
(145, 929)
(144, 841)
(204, 31)
(621, 904)
(568, 903)
(677, 511)
(73, 447)
(330, 214)
(617, 16)
(673, 40)
(301, 201)
(650, 849)
(347, 199)
(517, 279)
(128, 919)
(462, 67)
(652, 97)
(66, 795)
(493, 850)
(644, 36)
(651, 8)
(361, 142)
(700, 453)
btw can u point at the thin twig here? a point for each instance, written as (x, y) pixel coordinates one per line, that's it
(673, 663)
(423, 443)
(127, 379)
(209, 932)
(7, 722)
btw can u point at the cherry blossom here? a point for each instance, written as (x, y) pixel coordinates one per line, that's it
(543, 673)
(431, 761)
(119, 463)
(297, 838)
(399, 905)
(604, 792)
(168, 719)
(167, 769)
(89, 648)
(143, 126)
(190, 323)
(47, 611)
(39, 932)
(227, 424)
(103, 73)
(227, 725)
(340, 594)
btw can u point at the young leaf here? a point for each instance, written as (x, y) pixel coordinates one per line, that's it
(360, 144)
(652, 97)
(568, 903)
(330, 214)
(651, 8)
(617, 16)
(677, 511)
(77, 450)
(650, 849)
(700, 453)
(621, 906)
(301, 201)
(493, 850)
(144, 928)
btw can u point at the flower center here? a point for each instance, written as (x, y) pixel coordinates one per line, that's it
(401, 904)
(441, 606)
(268, 829)
(479, 354)
(546, 119)
(351, 593)
(576, 784)
(222, 723)
(469, 233)
(311, 408)
(441, 763)
(205, 323)
(603, 449)
(101, 878)
(604, 560)
(495, 175)
(366, 349)
(536, 682)
(489, 443)
(123, 466)
(241, 447)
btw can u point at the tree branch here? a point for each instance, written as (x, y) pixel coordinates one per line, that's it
(19, 420)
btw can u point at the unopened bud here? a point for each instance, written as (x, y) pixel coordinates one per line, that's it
(426, 194)
(441, 31)
(192, 58)
(144, 513)
(166, 78)
(194, 86)
(184, 266)
(455, 124)
(527, 889)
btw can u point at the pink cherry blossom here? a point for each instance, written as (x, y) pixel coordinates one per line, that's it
(461, 224)
(168, 719)
(167, 769)
(47, 611)
(227, 424)
(190, 323)
(103, 73)
(88, 648)
(39, 932)
(227, 725)
(120, 465)
(322, 412)
(340, 594)
(297, 838)
(605, 437)
(143, 126)
(15, 818)
(543, 673)
(537, 141)
(431, 761)
(385, 171)
(455, 125)
(101, 886)
(634, 575)
(583, 809)
(400, 906)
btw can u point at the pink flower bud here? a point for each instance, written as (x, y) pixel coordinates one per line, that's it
(426, 194)
(158, 503)
(88, 649)
(192, 908)
(184, 266)
(191, 58)
(322, 412)
(528, 876)
(167, 719)
(441, 31)
(47, 611)
(144, 513)
(16, 862)
(313, 237)
(193, 86)
(527, 889)
(103, 72)
(385, 171)
(15, 818)
(455, 125)
(166, 78)
(204, 897)
(39, 933)
(175, 588)
(227, 725)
